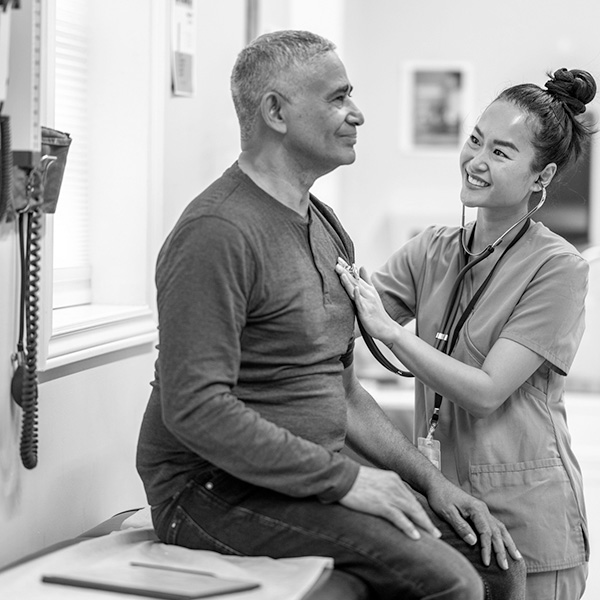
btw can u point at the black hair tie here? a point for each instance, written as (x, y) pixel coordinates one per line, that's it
(561, 88)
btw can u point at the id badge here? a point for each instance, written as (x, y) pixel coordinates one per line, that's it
(431, 449)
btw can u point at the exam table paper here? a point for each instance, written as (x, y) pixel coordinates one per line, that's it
(281, 579)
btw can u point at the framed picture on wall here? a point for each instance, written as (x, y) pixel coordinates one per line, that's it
(435, 101)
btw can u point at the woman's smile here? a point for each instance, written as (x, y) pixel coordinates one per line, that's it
(476, 181)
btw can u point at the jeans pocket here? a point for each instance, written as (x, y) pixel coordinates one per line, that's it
(224, 488)
(173, 527)
(198, 531)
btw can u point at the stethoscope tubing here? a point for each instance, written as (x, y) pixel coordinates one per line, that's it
(440, 341)
(442, 336)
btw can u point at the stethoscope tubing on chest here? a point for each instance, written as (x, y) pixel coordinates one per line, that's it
(443, 336)
(451, 309)
(447, 337)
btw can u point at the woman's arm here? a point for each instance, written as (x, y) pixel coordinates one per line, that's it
(480, 391)
(382, 491)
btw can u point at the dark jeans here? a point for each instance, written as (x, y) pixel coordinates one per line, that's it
(221, 513)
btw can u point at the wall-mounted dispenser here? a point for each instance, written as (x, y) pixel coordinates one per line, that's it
(32, 164)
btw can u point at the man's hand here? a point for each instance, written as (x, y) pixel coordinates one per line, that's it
(461, 510)
(384, 494)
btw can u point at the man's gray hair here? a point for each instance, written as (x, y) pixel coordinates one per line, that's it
(266, 61)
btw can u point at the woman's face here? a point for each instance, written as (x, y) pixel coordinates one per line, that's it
(496, 160)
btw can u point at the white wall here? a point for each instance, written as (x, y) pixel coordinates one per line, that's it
(503, 43)
(201, 133)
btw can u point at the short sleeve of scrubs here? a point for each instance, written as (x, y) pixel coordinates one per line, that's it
(548, 319)
(397, 280)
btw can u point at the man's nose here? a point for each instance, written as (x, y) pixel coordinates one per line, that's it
(355, 115)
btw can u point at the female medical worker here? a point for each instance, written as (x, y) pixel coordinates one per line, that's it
(494, 373)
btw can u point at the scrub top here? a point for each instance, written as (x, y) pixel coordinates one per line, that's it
(519, 459)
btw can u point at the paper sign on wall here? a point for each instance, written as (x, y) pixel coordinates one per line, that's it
(183, 46)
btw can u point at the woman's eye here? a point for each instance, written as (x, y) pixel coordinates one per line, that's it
(500, 153)
(473, 139)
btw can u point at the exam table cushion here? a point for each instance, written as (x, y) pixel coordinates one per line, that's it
(332, 585)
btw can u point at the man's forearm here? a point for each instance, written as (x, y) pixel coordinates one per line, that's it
(374, 436)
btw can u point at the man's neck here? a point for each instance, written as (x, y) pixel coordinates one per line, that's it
(279, 182)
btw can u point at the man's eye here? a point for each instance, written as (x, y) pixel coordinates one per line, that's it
(343, 96)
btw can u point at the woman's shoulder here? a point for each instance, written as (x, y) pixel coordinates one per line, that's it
(551, 244)
(433, 245)
(436, 234)
(551, 251)
(433, 242)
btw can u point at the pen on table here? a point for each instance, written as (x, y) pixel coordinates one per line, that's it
(170, 568)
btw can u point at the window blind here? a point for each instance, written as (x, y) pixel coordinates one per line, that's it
(72, 265)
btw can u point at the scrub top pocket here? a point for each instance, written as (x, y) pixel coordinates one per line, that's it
(535, 501)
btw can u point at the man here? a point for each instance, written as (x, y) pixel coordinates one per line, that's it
(255, 392)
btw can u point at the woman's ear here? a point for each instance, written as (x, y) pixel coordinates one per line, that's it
(545, 177)
(271, 107)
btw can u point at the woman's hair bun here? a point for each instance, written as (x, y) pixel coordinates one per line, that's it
(574, 88)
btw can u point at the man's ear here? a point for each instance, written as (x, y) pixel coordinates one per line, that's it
(271, 109)
(545, 177)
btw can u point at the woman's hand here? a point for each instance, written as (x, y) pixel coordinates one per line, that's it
(383, 493)
(372, 314)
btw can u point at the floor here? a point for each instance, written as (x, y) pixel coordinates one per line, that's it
(583, 412)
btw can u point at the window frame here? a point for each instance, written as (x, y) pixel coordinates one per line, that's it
(122, 313)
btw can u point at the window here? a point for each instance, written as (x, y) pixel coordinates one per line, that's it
(104, 85)
(71, 256)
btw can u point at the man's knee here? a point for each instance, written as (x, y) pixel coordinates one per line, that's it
(443, 574)
(506, 584)
(503, 584)
(468, 585)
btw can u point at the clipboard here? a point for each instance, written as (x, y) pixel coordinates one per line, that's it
(151, 580)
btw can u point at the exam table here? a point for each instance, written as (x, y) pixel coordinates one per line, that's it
(329, 585)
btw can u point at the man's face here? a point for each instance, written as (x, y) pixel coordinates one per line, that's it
(321, 117)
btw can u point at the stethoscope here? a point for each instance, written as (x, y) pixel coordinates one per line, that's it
(443, 335)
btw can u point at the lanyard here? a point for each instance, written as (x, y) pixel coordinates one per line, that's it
(443, 336)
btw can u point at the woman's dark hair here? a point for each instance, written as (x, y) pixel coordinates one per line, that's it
(559, 135)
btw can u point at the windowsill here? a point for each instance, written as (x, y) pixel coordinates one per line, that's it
(83, 332)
